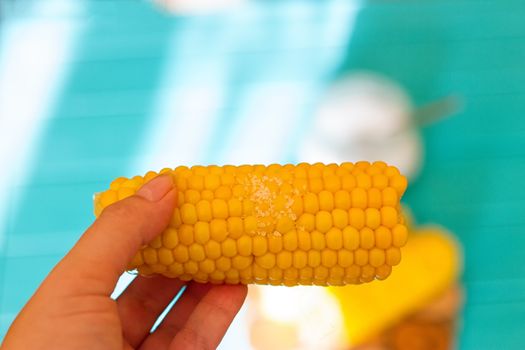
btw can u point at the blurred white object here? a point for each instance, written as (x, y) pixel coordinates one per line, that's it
(297, 318)
(365, 117)
(196, 6)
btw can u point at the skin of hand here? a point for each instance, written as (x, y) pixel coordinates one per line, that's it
(72, 308)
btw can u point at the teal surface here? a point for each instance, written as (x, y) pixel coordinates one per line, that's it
(472, 181)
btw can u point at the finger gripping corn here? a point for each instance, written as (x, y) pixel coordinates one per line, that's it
(305, 224)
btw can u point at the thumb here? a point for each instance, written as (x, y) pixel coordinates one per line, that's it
(104, 251)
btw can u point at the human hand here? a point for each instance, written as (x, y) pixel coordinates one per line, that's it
(72, 309)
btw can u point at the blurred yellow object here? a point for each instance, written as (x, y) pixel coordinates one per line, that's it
(431, 265)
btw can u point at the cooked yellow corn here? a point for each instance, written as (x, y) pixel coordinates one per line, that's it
(279, 224)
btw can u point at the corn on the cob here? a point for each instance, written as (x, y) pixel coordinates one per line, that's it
(278, 224)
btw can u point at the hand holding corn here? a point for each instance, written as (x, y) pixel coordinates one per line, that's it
(281, 225)
(72, 309)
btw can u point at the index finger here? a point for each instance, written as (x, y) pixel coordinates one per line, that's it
(106, 248)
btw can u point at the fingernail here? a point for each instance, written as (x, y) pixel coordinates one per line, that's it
(156, 189)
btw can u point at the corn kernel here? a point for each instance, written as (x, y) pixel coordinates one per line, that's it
(328, 258)
(342, 200)
(304, 240)
(125, 192)
(212, 249)
(241, 262)
(348, 182)
(377, 257)
(176, 219)
(323, 221)
(192, 196)
(115, 184)
(359, 198)
(244, 246)
(196, 182)
(300, 183)
(188, 214)
(314, 258)
(235, 207)
(334, 238)
(390, 197)
(399, 235)
(223, 263)
(170, 238)
(306, 222)
(300, 259)
(190, 267)
(374, 198)
(306, 273)
(212, 182)
(383, 271)
(207, 266)
(352, 272)
(284, 224)
(297, 206)
(223, 192)
(393, 256)
(345, 258)
(229, 248)
(290, 240)
(202, 232)
(383, 237)
(275, 274)
(266, 261)
(372, 218)
(275, 243)
(260, 245)
(321, 273)
(388, 217)
(186, 235)
(203, 208)
(351, 238)
(156, 242)
(367, 273)
(181, 254)
(361, 257)
(326, 200)
(108, 197)
(207, 195)
(367, 238)
(235, 227)
(311, 203)
(284, 259)
(259, 273)
(318, 240)
(196, 252)
(248, 208)
(219, 209)
(218, 230)
(165, 256)
(340, 218)
(315, 185)
(250, 225)
(332, 183)
(291, 274)
(356, 217)
(176, 269)
(150, 255)
(363, 181)
(337, 273)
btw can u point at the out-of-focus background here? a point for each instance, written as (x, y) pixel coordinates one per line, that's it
(91, 90)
